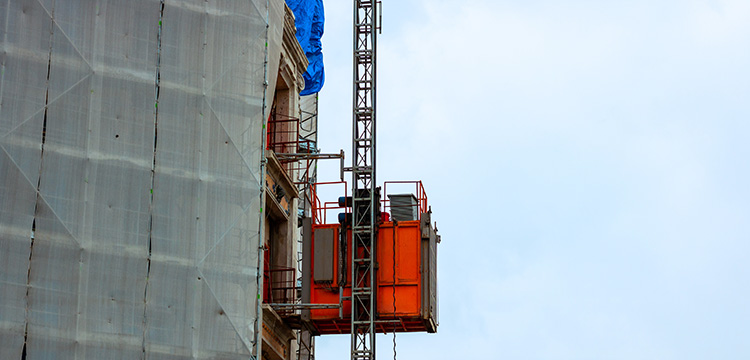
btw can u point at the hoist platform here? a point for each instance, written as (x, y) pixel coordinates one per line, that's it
(406, 273)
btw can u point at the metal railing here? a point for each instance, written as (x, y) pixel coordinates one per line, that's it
(282, 288)
(402, 187)
(321, 210)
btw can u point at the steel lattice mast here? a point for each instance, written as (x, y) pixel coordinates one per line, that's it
(364, 202)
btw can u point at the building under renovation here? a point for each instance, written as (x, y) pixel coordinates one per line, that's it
(158, 192)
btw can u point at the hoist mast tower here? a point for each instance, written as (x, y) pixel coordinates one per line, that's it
(364, 200)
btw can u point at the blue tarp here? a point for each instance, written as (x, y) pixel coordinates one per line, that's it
(309, 19)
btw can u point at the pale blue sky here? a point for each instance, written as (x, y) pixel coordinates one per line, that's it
(587, 163)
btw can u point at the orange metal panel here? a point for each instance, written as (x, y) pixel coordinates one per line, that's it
(407, 280)
(407, 301)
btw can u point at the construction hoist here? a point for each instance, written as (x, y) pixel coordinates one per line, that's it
(365, 200)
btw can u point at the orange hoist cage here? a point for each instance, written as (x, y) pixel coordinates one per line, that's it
(408, 304)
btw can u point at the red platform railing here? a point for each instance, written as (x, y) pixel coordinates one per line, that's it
(320, 210)
(403, 187)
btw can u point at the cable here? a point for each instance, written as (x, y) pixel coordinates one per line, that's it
(395, 225)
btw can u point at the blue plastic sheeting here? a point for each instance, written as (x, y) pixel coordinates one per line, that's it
(309, 19)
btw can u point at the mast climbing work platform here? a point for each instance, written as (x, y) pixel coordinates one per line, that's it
(371, 271)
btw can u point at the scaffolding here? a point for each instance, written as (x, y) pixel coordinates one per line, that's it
(294, 142)
(308, 130)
